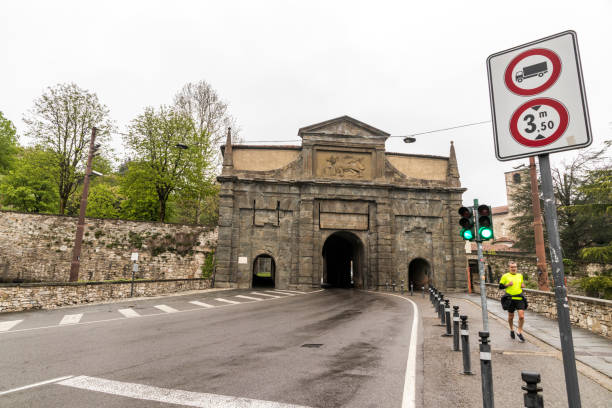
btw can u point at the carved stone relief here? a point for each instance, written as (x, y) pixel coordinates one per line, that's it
(344, 165)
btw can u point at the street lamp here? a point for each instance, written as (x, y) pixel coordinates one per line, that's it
(409, 139)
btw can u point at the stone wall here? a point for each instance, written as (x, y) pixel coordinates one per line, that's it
(27, 296)
(589, 313)
(38, 248)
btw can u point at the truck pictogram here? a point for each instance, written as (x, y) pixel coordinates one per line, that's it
(529, 71)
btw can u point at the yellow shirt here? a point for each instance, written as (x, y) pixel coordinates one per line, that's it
(516, 287)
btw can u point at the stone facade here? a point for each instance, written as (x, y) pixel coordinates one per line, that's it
(589, 313)
(339, 210)
(38, 248)
(28, 296)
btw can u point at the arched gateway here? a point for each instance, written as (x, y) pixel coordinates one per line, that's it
(342, 260)
(339, 210)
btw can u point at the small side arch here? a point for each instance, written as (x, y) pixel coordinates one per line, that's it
(264, 271)
(419, 273)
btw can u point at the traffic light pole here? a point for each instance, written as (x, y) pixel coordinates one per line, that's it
(481, 272)
(556, 260)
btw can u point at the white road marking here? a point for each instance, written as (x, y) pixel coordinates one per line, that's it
(167, 395)
(25, 387)
(264, 294)
(71, 318)
(202, 304)
(247, 297)
(290, 291)
(227, 301)
(5, 326)
(409, 395)
(165, 308)
(129, 312)
(276, 292)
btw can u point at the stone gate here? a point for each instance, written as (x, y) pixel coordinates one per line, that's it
(338, 210)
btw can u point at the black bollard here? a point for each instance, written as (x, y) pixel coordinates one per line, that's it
(411, 288)
(423, 289)
(439, 305)
(455, 328)
(431, 295)
(531, 398)
(387, 286)
(442, 314)
(402, 286)
(447, 319)
(393, 285)
(486, 371)
(465, 346)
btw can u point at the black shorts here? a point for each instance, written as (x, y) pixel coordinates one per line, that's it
(516, 304)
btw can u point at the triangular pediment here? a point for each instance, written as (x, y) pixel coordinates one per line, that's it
(343, 126)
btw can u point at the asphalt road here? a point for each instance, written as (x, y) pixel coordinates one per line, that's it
(332, 348)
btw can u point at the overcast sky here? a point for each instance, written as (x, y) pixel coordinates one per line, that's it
(403, 67)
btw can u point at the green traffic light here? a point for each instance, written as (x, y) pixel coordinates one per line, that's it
(467, 234)
(485, 233)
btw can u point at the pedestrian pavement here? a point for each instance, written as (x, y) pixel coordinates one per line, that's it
(444, 384)
(136, 308)
(590, 348)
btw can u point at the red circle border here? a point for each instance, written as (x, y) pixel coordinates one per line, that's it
(563, 117)
(554, 58)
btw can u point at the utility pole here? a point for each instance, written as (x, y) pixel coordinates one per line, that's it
(78, 239)
(537, 228)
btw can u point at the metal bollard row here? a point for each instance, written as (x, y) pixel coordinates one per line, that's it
(465, 346)
(447, 319)
(486, 371)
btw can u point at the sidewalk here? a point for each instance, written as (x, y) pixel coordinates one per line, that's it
(593, 350)
(444, 385)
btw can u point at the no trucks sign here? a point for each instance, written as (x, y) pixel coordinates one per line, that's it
(537, 96)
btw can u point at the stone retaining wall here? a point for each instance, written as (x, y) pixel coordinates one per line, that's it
(589, 313)
(27, 296)
(38, 248)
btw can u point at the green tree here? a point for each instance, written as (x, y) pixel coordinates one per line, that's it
(30, 186)
(582, 193)
(61, 121)
(8, 144)
(155, 138)
(104, 201)
(138, 190)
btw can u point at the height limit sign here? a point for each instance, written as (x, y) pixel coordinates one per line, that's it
(538, 101)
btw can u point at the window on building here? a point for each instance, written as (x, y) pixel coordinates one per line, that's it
(517, 178)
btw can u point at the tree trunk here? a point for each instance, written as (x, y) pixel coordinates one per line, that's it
(162, 210)
(62, 208)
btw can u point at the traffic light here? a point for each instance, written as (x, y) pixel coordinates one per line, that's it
(467, 223)
(485, 222)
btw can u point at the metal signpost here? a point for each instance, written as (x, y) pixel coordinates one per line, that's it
(538, 105)
(481, 273)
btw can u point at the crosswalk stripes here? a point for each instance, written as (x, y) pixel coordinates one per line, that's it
(265, 294)
(276, 292)
(165, 308)
(247, 297)
(289, 291)
(71, 318)
(201, 304)
(5, 326)
(226, 301)
(129, 313)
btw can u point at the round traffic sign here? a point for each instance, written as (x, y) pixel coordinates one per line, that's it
(532, 71)
(539, 122)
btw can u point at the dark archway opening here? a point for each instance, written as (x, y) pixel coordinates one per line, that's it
(264, 270)
(342, 259)
(419, 273)
(474, 274)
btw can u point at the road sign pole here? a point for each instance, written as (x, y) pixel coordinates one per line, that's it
(481, 273)
(556, 259)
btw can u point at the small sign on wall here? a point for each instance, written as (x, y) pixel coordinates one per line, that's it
(242, 259)
(134, 256)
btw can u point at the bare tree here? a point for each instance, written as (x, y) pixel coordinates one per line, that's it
(61, 121)
(211, 118)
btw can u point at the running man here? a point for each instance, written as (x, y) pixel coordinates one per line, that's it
(512, 282)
